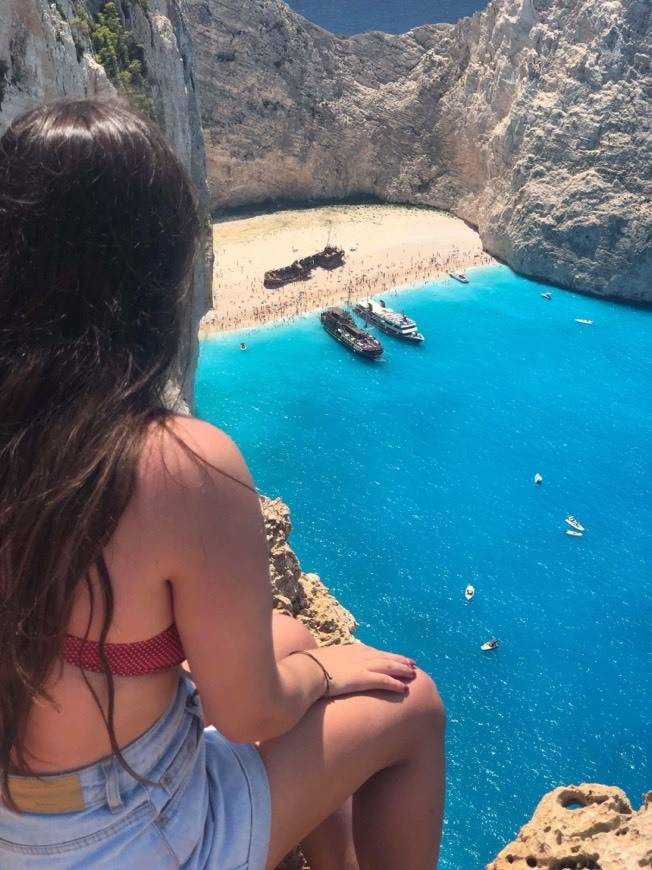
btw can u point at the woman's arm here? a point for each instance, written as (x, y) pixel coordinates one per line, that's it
(217, 552)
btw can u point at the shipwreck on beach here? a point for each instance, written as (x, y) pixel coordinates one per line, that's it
(330, 258)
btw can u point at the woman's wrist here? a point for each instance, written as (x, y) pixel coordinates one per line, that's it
(327, 677)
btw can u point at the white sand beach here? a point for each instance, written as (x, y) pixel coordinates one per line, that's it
(386, 247)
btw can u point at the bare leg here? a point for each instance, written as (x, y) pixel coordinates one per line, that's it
(387, 749)
(330, 845)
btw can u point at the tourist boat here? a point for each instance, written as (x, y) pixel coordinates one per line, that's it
(340, 325)
(574, 524)
(469, 592)
(459, 276)
(490, 644)
(583, 320)
(389, 321)
(538, 479)
(573, 533)
(547, 295)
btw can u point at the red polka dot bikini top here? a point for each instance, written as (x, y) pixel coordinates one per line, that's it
(127, 659)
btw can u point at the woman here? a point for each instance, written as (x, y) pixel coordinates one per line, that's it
(131, 537)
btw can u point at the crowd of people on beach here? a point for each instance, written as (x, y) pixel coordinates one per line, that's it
(257, 305)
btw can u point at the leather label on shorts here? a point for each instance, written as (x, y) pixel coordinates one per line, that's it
(61, 794)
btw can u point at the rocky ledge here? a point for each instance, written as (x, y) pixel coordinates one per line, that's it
(300, 595)
(584, 827)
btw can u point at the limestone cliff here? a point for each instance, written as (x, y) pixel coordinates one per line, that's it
(529, 120)
(51, 50)
(586, 827)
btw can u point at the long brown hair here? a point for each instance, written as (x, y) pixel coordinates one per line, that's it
(98, 230)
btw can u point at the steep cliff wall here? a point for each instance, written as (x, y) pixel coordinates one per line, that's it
(530, 120)
(47, 51)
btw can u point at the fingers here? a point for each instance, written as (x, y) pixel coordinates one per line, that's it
(358, 668)
(395, 666)
(395, 673)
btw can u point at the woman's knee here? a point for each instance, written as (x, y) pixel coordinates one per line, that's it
(426, 708)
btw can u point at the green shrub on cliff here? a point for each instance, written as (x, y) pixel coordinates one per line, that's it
(121, 56)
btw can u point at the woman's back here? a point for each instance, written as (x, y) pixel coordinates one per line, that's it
(71, 733)
(98, 229)
(157, 536)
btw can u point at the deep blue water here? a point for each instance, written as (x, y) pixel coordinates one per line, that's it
(409, 478)
(347, 17)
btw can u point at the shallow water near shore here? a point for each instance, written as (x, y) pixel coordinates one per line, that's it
(411, 477)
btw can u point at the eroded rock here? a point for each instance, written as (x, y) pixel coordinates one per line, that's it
(301, 595)
(584, 827)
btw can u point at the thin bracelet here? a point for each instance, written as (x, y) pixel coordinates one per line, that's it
(327, 676)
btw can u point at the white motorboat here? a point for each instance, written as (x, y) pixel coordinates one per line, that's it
(490, 644)
(388, 320)
(459, 276)
(538, 479)
(547, 295)
(469, 592)
(572, 522)
(573, 533)
(583, 320)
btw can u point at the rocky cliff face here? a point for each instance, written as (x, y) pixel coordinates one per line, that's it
(586, 827)
(530, 120)
(47, 51)
(300, 595)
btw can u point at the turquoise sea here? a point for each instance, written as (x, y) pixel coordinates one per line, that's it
(347, 17)
(412, 477)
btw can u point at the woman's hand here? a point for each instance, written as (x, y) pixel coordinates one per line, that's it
(359, 668)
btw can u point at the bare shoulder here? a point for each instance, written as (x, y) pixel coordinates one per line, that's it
(187, 452)
(189, 472)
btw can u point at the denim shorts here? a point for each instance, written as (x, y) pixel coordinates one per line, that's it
(209, 809)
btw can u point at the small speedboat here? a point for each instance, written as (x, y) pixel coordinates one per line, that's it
(459, 276)
(469, 592)
(490, 644)
(547, 295)
(573, 533)
(572, 522)
(538, 478)
(583, 320)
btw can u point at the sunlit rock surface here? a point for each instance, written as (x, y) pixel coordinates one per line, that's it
(530, 120)
(584, 827)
